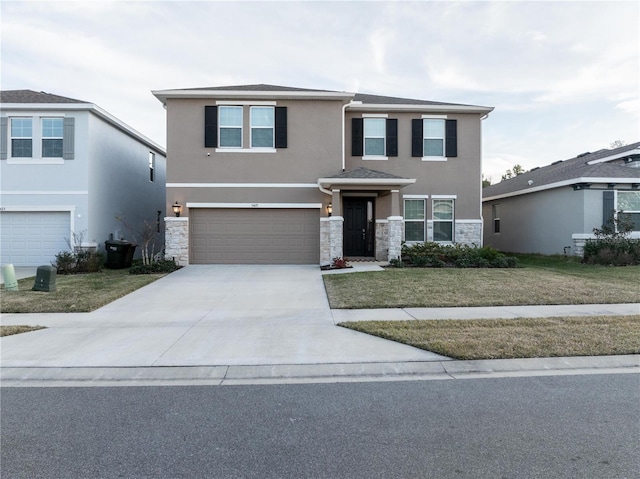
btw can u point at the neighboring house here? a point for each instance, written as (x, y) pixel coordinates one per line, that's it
(554, 209)
(67, 169)
(271, 174)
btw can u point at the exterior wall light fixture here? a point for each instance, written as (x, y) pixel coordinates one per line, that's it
(329, 209)
(177, 208)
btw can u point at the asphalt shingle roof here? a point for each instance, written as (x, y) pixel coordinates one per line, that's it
(366, 173)
(570, 169)
(30, 96)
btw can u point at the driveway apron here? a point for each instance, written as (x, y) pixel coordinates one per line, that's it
(205, 315)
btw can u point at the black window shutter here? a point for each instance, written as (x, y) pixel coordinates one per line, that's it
(281, 127)
(392, 137)
(210, 126)
(608, 206)
(451, 138)
(4, 132)
(68, 138)
(357, 133)
(416, 138)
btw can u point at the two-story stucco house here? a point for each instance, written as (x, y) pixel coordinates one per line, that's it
(271, 174)
(554, 209)
(67, 169)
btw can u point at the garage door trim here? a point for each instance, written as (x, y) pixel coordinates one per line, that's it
(256, 205)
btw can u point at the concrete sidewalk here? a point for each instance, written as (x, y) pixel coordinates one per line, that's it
(217, 324)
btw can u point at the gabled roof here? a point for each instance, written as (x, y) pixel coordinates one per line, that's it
(602, 166)
(364, 177)
(30, 96)
(390, 100)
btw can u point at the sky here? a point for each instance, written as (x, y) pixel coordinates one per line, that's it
(563, 77)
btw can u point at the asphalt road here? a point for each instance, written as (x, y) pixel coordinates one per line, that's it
(540, 427)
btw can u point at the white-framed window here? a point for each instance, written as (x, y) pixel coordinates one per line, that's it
(414, 219)
(443, 219)
(152, 166)
(230, 126)
(433, 137)
(629, 207)
(52, 137)
(496, 218)
(262, 120)
(21, 137)
(375, 136)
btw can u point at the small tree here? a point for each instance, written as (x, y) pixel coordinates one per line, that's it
(515, 171)
(144, 236)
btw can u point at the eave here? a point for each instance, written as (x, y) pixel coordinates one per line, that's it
(164, 95)
(485, 110)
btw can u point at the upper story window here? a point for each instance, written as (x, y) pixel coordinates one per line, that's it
(230, 124)
(374, 136)
(52, 137)
(224, 126)
(152, 166)
(37, 139)
(262, 126)
(21, 137)
(433, 138)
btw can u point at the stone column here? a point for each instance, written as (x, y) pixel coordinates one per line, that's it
(177, 240)
(382, 240)
(396, 224)
(331, 239)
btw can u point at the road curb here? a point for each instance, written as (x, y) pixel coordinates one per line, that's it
(315, 373)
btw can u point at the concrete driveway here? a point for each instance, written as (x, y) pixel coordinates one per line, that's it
(205, 315)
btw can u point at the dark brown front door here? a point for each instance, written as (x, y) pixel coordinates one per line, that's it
(358, 227)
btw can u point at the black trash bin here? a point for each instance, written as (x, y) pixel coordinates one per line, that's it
(119, 254)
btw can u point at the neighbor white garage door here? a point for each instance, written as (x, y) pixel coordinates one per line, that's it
(254, 236)
(33, 238)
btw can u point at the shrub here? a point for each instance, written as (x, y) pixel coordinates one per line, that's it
(612, 245)
(160, 266)
(434, 255)
(82, 260)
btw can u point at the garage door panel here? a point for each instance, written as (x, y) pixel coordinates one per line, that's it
(256, 236)
(29, 238)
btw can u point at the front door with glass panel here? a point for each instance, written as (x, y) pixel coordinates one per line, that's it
(359, 229)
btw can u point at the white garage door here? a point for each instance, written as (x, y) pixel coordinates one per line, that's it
(33, 238)
(255, 236)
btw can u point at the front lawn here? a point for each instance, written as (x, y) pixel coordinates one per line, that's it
(75, 293)
(514, 338)
(541, 280)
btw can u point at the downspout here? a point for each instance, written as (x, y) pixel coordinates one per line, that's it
(483, 117)
(344, 111)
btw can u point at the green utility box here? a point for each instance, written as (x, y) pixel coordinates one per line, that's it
(9, 276)
(45, 279)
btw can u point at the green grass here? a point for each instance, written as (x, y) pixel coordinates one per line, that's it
(540, 280)
(10, 330)
(514, 338)
(74, 293)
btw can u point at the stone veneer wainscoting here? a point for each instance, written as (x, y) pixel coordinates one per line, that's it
(177, 240)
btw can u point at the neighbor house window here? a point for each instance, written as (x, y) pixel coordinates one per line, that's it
(375, 136)
(433, 137)
(262, 127)
(414, 216)
(152, 166)
(629, 207)
(230, 124)
(52, 135)
(443, 220)
(21, 137)
(496, 218)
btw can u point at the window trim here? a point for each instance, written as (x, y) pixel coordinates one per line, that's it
(42, 137)
(272, 128)
(152, 166)
(424, 199)
(495, 213)
(618, 210)
(12, 138)
(235, 127)
(364, 137)
(435, 198)
(442, 157)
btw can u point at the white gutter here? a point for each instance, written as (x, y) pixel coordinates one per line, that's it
(344, 133)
